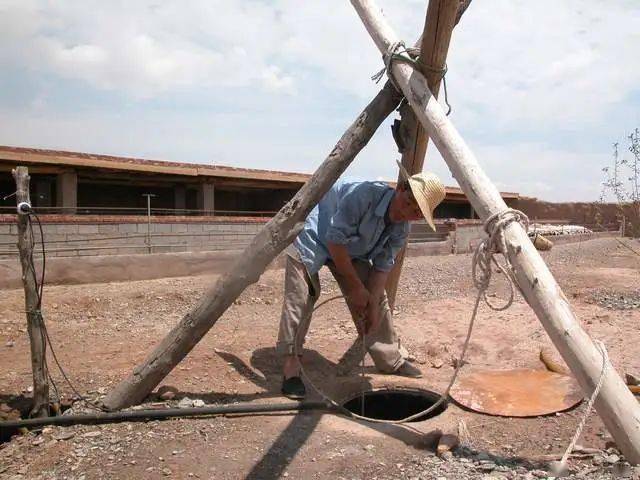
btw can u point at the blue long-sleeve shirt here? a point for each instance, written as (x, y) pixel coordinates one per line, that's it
(352, 214)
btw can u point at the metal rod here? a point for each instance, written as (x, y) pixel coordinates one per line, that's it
(148, 195)
(143, 210)
(153, 235)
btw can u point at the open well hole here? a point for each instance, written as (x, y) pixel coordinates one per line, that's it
(395, 404)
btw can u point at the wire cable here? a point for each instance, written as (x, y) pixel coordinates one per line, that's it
(40, 318)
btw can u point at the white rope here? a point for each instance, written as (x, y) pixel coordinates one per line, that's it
(495, 243)
(592, 399)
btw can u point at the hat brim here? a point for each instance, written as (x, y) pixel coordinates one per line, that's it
(422, 203)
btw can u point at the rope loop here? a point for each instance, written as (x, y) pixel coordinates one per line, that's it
(483, 258)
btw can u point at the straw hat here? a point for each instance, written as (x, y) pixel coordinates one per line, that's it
(428, 191)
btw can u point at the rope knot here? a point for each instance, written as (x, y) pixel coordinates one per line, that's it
(399, 51)
(494, 243)
(388, 57)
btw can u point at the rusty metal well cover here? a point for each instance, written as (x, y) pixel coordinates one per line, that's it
(516, 393)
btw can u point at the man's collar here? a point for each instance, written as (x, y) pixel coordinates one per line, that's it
(383, 204)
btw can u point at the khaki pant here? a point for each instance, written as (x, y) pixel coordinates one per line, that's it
(301, 291)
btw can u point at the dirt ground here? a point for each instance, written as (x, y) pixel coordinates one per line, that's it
(101, 331)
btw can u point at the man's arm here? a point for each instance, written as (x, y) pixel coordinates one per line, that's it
(357, 294)
(376, 282)
(375, 285)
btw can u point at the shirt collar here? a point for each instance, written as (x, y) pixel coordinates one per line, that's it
(384, 202)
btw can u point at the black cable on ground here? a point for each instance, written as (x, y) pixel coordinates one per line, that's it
(166, 413)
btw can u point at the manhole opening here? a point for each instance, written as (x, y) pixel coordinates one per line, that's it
(395, 404)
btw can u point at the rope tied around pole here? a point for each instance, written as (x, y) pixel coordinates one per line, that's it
(389, 56)
(410, 55)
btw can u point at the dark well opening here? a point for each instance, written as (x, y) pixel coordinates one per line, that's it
(395, 404)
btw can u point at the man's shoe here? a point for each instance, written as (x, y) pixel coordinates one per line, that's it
(408, 369)
(293, 388)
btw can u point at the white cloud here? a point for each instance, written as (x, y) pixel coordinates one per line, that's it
(523, 75)
(534, 169)
(544, 61)
(143, 48)
(546, 64)
(275, 80)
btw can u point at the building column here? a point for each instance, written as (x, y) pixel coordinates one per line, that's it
(206, 198)
(179, 199)
(67, 192)
(42, 194)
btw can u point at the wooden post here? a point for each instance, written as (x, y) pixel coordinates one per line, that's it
(35, 326)
(279, 232)
(615, 404)
(442, 16)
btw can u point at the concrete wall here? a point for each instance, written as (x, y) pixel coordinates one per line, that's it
(580, 213)
(64, 239)
(113, 268)
(467, 236)
(90, 236)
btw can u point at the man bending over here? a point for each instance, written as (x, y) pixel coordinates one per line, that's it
(356, 230)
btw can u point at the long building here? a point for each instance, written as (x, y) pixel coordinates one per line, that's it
(72, 183)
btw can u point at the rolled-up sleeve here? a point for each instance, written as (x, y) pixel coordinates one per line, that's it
(343, 226)
(385, 260)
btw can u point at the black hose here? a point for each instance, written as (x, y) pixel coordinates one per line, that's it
(138, 415)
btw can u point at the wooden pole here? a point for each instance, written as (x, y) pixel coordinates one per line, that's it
(35, 326)
(279, 232)
(442, 16)
(616, 406)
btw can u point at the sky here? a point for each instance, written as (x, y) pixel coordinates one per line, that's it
(540, 89)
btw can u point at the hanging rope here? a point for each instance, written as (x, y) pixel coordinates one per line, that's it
(605, 364)
(495, 243)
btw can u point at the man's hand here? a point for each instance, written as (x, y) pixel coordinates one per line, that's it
(358, 300)
(373, 318)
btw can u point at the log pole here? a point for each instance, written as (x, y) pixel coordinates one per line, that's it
(616, 406)
(442, 17)
(35, 325)
(274, 237)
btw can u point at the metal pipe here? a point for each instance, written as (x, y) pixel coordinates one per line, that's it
(138, 415)
(212, 233)
(143, 211)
